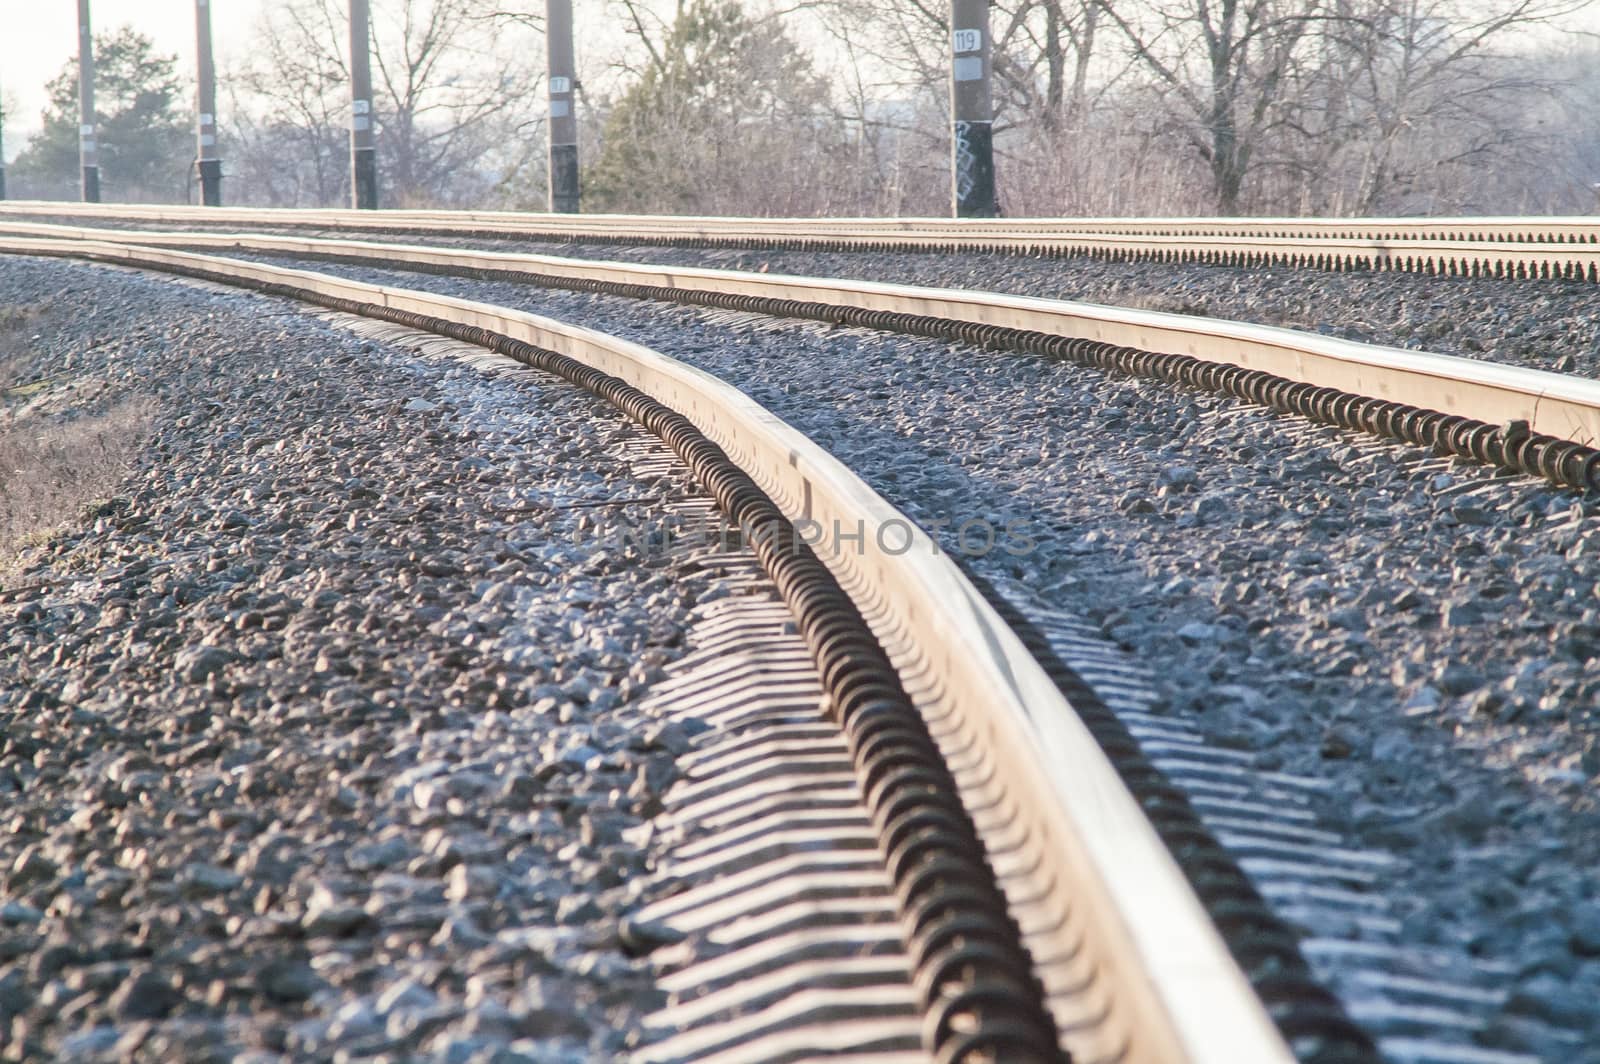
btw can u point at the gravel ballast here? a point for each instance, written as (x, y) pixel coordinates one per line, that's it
(322, 736)
(1418, 634)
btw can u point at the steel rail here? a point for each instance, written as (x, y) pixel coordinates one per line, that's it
(1534, 421)
(1567, 248)
(1131, 966)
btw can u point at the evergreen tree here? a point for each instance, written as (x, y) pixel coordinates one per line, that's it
(141, 125)
(730, 117)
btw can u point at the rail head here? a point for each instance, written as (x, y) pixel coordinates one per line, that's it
(1171, 990)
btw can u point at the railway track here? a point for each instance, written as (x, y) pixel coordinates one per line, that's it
(1529, 421)
(1543, 248)
(1551, 444)
(1051, 839)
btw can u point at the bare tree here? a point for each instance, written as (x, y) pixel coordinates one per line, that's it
(1573, 186)
(1102, 106)
(289, 108)
(452, 96)
(459, 118)
(1044, 50)
(1229, 69)
(1437, 94)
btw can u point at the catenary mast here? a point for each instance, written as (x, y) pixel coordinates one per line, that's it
(207, 160)
(971, 111)
(563, 115)
(363, 154)
(88, 151)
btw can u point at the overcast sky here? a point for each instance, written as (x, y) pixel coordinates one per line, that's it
(37, 36)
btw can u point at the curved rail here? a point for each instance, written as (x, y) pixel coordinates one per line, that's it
(1132, 968)
(1532, 420)
(1567, 248)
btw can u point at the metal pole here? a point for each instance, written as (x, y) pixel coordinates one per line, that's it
(971, 112)
(2, 144)
(563, 119)
(208, 161)
(363, 155)
(88, 154)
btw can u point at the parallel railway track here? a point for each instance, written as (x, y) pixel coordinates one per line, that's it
(1553, 248)
(1541, 423)
(1521, 420)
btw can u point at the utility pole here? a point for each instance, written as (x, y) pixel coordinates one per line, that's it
(363, 155)
(971, 112)
(88, 153)
(563, 119)
(2, 144)
(209, 163)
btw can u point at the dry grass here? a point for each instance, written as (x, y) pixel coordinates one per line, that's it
(58, 459)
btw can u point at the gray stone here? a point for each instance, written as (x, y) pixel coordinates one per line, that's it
(1353, 620)
(15, 995)
(1393, 746)
(1408, 600)
(14, 913)
(1490, 704)
(374, 856)
(337, 920)
(198, 664)
(353, 1021)
(1457, 678)
(459, 932)
(94, 1042)
(418, 1024)
(1584, 935)
(653, 777)
(544, 1015)
(288, 981)
(578, 757)
(673, 737)
(1339, 743)
(30, 867)
(1175, 478)
(407, 995)
(640, 937)
(206, 879)
(1462, 614)
(577, 908)
(1550, 998)
(464, 1048)
(471, 881)
(1136, 502)
(144, 995)
(1426, 699)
